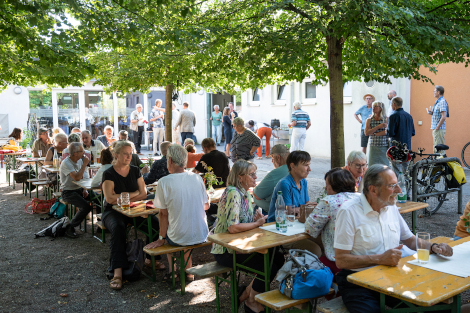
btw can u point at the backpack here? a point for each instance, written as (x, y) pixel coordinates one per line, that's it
(136, 260)
(455, 175)
(58, 209)
(56, 229)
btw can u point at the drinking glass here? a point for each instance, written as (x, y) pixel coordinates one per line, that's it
(290, 210)
(423, 244)
(40, 153)
(123, 201)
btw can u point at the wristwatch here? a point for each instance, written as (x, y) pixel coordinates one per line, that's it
(161, 238)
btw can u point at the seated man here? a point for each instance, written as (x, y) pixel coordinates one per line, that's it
(182, 209)
(94, 146)
(43, 143)
(215, 159)
(159, 168)
(193, 157)
(263, 192)
(107, 139)
(74, 168)
(368, 232)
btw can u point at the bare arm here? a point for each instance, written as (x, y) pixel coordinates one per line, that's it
(76, 176)
(441, 248)
(346, 260)
(308, 125)
(141, 193)
(233, 229)
(48, 160)
(357, 118)
(368, 131)
(442, 120)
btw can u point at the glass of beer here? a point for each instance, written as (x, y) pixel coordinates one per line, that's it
(123, 201)
(423, 244)
(98, 158)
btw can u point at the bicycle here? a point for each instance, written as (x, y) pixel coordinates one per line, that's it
(430, 177)
(466, 155)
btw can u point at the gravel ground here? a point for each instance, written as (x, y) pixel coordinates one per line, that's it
(36, 272)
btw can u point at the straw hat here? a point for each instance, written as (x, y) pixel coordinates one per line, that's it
(373, 98)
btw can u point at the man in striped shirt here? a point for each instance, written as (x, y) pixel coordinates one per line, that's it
(300, 124)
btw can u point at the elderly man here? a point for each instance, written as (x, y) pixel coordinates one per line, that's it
(75, 130)
(74, 168)
(186, 121)
(43, 142)
(159, 168)
(182, 210)
(300, 124)
(263, 192)
(439, 112)
(368, 232)
(390, 95)
(156, 117)
(94, 146)
(365, 111)
(137, 126)
(357, 165)
(107, 139)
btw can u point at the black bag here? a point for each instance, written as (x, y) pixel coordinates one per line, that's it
(136, 259)
(275, 123)
(23, 176)
(56, 229)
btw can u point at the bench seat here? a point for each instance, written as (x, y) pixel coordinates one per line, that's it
(167, 249)
(275, 300)
(208, 270)
(333, 306)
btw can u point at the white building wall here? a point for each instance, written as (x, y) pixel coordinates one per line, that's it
(318, 142)
(198, 104)
(17, 108)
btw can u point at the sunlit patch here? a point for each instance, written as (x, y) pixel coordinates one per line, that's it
(429, 292)
(406, 269)
(411, 294)
(245, 242)
(390, 289)
(160, 305)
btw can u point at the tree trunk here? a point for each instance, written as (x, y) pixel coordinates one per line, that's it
(168, 112)
(335, 75)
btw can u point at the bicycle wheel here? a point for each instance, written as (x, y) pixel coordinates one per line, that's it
(466, 155)
(437, 182)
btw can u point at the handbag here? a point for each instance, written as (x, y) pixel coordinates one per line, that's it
(304, 276)
(39, 206)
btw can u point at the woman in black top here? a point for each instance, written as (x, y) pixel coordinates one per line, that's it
(121, 177)
(227, 130)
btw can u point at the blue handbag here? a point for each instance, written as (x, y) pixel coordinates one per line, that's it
(307, 282)
(58, 209)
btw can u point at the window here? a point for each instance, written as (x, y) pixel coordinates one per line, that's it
(40, 103)
(310, 90)
(281, 92)
(347, 89)
(256, 95)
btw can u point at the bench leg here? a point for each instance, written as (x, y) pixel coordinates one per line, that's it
(182, 271)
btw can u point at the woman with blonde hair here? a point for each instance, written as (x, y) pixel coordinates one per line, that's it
(376, 129)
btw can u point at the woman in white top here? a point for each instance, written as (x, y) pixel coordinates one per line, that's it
(106, 161)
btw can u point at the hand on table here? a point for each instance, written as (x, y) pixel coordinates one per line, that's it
(443, 249)
(391, 257)
(262, 220)
(155, 244)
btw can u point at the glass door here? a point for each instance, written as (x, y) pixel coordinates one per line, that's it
(68, 111)
(98, 112)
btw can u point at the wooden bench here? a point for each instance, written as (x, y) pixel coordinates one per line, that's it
(57, 194)
(43, 183)
(167, 249)
(333, 306)
(213, 269)
(275, 300)
(103, 230)
(17, 172)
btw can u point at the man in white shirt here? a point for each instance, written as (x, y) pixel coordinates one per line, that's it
(137, 126)
(368, 232)
(175, 133)
(182, 200)
(94, 146)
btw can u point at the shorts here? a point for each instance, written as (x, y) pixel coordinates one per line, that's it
(364, 139)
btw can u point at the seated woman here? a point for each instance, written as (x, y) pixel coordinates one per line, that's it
(106, 159)
(236, 215)
(340, 187)
(193, 157)
(135, 160)
(122, 177)
(357, 165)
(15, 137)
(60, 144)
(461, 230)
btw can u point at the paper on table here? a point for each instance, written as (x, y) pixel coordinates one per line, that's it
(456, 265)
(297, 228)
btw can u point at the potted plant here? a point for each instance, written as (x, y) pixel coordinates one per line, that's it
(210, 179)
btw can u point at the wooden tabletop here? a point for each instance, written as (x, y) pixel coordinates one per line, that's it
(50, 169)
(254, 240)
(31, 160)
(14, 153)
(84, 183)
(415, 284)
(139, 210)
(410, 206)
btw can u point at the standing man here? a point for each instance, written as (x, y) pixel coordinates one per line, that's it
(300, 124)
(439, 112)
(400, 128)
(137, 126)
(187, 121)
(365, 111)
(175, 130)
(156, 116)
(43, 142)
(390, 95)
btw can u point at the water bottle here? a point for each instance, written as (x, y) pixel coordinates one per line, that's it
(28, 151)
(402, 184)
(281, 223)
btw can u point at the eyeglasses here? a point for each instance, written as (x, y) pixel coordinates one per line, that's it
(80, 151)
(253, 175)
(359, 166)
(392, 186)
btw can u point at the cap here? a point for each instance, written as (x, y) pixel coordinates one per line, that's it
(279, 149)
(373, 98)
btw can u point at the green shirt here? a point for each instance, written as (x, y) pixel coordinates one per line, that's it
(216, 116)
(264, 190)
(234, 208)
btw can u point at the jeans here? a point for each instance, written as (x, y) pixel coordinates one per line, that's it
(185, 135)
(157, 138)
(138, 137)
(298, 139)
(217, 133)
(75, 197)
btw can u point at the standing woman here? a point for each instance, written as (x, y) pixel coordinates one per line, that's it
(216, 119)
(15, 137)
(376, 129)
(244, 142)
(227, 130)
(121, 177)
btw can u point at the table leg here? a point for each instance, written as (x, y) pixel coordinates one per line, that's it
(182, 272)
(267, 275)
(234, 284)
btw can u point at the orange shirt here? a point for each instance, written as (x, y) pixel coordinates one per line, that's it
(460, 229)
(193, 158)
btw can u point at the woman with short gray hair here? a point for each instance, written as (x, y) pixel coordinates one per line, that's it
(236, 214)
(216, 118)
(357, 165)
(244, 142)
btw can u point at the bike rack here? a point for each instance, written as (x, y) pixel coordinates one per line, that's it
(417, 165)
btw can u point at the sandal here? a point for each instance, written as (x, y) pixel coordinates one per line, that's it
(158, 265)
(260, 158)
(117, 282)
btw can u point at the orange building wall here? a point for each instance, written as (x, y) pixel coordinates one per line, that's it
(455, 78)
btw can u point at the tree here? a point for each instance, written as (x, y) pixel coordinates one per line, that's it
(253, 43)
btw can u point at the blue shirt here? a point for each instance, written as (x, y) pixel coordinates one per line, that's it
(439, 107)
(291, 194)
(301, 117)
(364, 112)
(401, 127)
